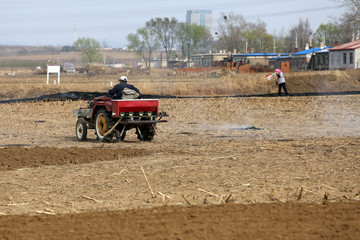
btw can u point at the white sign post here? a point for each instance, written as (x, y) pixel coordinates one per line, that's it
(53, 69)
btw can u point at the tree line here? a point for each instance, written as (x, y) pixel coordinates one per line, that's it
(234, 33)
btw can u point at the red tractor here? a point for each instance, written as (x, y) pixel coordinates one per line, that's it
(113, 117)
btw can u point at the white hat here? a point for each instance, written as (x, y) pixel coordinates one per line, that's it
(123, 78)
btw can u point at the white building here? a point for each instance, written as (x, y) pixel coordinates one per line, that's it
(346, 56)
(200, 17)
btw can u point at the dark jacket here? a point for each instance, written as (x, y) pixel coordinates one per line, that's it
(118, 89)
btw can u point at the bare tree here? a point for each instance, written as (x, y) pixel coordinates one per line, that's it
(234, 32)
(300, 35)
(279, 42)
(144, 43)
(183, 38)
(257, 36)
(231, 31)
(165, 30)
(89, 48)
(206, 42)
(193, 38)
(349, 3)
(349, 22)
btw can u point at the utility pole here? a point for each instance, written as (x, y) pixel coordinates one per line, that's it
(161, 60)
(188, 45)
(75, 37)
(246, 46)
(274, 45)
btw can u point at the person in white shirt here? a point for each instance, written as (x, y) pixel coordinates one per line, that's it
(281, 82)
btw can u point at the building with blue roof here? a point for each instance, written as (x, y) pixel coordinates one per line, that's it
(215, 59)
(312, 58)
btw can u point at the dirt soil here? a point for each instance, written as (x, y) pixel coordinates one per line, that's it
(220, 168)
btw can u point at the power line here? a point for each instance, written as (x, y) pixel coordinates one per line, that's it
(266, 15)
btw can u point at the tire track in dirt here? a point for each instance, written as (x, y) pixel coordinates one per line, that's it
(18, 157)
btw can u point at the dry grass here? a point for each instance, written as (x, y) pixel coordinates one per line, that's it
(163, 82)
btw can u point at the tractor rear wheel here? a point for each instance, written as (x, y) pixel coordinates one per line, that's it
(147, 132)
(81, 129)
(103, 124)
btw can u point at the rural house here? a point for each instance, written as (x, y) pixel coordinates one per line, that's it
(280, 60)
(301, 60)
(256, 58)
(320, 59)
(209, 59)
(310, 58)
(345, 56)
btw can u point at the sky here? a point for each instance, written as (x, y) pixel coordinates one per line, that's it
(53, 22)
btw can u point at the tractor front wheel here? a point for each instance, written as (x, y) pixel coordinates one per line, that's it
(102, 125)
(81, 129)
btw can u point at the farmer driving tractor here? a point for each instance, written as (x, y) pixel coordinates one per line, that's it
(123, 90)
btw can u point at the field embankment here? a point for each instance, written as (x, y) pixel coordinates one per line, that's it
(160, 82)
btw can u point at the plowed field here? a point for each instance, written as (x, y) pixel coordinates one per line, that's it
(220, 168)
